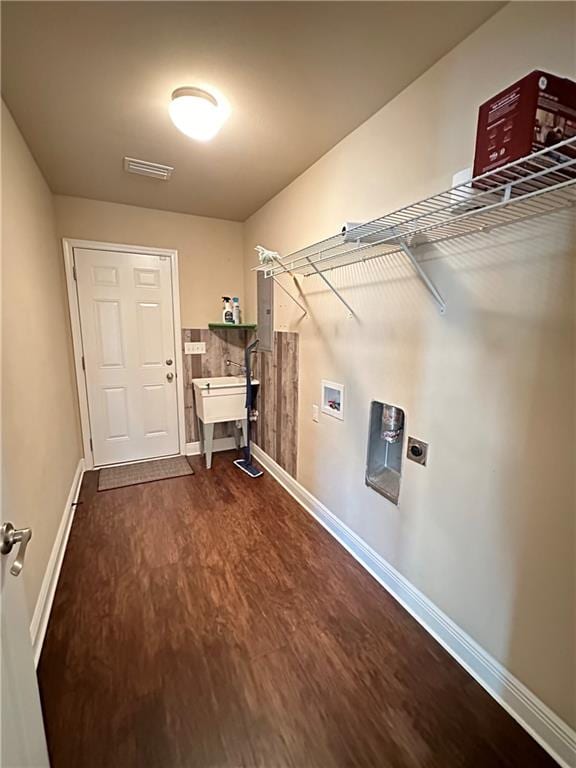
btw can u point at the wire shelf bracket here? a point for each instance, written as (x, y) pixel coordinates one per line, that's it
(538, 184)
(287, 292)
(424, 277)
(334, 291)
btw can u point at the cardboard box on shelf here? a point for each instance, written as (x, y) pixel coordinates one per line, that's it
(536, 112)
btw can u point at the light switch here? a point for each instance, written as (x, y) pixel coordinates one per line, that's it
(315, 413)
(194, 347)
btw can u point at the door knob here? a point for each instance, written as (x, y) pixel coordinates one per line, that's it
(169, 361)
(170, 376)
(10, 536)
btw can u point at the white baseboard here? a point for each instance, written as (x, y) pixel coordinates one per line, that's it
(220, 444)
(45, 599)
(552, 733)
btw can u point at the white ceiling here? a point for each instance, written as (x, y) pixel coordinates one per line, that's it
(90, 82)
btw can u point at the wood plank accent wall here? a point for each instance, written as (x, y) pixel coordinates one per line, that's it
(221, 345)
(276, 430)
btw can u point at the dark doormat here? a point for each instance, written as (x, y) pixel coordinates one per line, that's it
(143, 472)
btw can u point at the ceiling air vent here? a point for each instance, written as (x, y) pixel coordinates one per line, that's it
(144, 168)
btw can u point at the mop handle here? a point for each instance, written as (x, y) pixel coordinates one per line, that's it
(249, 349)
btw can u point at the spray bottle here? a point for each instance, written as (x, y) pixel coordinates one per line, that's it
(236, 310)
(227, 315)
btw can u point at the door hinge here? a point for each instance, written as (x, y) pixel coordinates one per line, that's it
(91, 446)
(83, 363)
(74, 271)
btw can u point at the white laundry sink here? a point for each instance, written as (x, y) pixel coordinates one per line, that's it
(220, 398)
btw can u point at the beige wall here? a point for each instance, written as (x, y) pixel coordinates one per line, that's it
(40, 427)
(486, 531)
(209, 250)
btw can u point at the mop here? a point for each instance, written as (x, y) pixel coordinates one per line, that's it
(245, 464)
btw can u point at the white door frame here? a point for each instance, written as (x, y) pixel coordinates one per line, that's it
(69, 245)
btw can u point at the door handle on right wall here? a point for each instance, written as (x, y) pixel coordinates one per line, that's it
(170, 376)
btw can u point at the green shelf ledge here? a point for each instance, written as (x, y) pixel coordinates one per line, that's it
(241, 326)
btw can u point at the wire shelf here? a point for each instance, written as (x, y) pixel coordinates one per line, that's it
(541, 183)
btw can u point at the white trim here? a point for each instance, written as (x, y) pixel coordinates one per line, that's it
(45, 599)
(220, 444)
(552, 733)
(179, 362)
(68, 246)
(99, 245)
(137, 461)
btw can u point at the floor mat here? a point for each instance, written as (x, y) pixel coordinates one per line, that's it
(143, 472)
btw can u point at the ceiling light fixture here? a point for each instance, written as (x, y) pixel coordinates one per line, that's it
(197, 113)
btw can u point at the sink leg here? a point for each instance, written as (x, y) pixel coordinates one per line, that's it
(245, 431)
(208, 443)
(237, 427)
(200, 424)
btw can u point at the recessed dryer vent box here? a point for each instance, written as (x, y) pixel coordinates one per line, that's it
(332, 402)
(385, 440)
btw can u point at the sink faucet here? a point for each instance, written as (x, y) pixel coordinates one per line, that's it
(237, 365)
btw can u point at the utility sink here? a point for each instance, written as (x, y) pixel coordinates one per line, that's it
(221, 398)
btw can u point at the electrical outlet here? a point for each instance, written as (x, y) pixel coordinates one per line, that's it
(315, 413)
(417, 450)
(194, 347)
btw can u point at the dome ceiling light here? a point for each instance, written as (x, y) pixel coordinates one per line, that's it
(197, 113)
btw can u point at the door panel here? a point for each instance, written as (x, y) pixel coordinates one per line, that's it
(125, 303)
(105, 276)
(109, 334)
(155, 421)
(147, 278)
(150, 334)
(116, 410)
(22, 739)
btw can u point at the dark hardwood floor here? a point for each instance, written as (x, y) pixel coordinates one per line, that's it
(209, 622)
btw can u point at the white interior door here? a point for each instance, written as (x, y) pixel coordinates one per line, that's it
(126, 318)
(22, 739)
